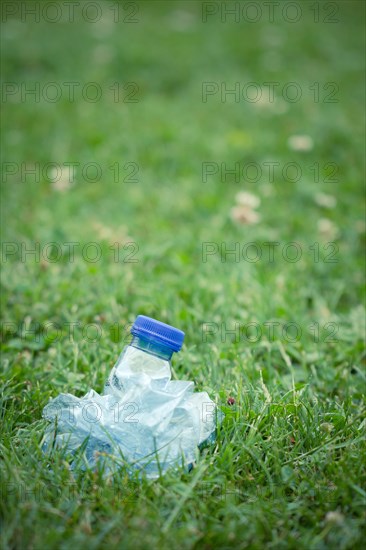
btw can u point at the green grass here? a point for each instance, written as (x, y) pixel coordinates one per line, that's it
(288, 468)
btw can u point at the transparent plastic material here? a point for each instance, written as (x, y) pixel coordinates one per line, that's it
(143, 419)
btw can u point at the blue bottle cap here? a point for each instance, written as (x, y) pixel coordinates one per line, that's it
(145, 327)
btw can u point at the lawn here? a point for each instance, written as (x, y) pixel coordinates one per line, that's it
(205, 168)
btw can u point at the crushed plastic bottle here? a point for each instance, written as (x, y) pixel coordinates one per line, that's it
(143, 419)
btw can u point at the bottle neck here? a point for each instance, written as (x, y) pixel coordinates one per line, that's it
(154, 348)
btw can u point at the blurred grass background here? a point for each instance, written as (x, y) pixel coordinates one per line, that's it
(169, 212)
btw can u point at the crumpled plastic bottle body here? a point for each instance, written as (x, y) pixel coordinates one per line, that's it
(143, 419)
